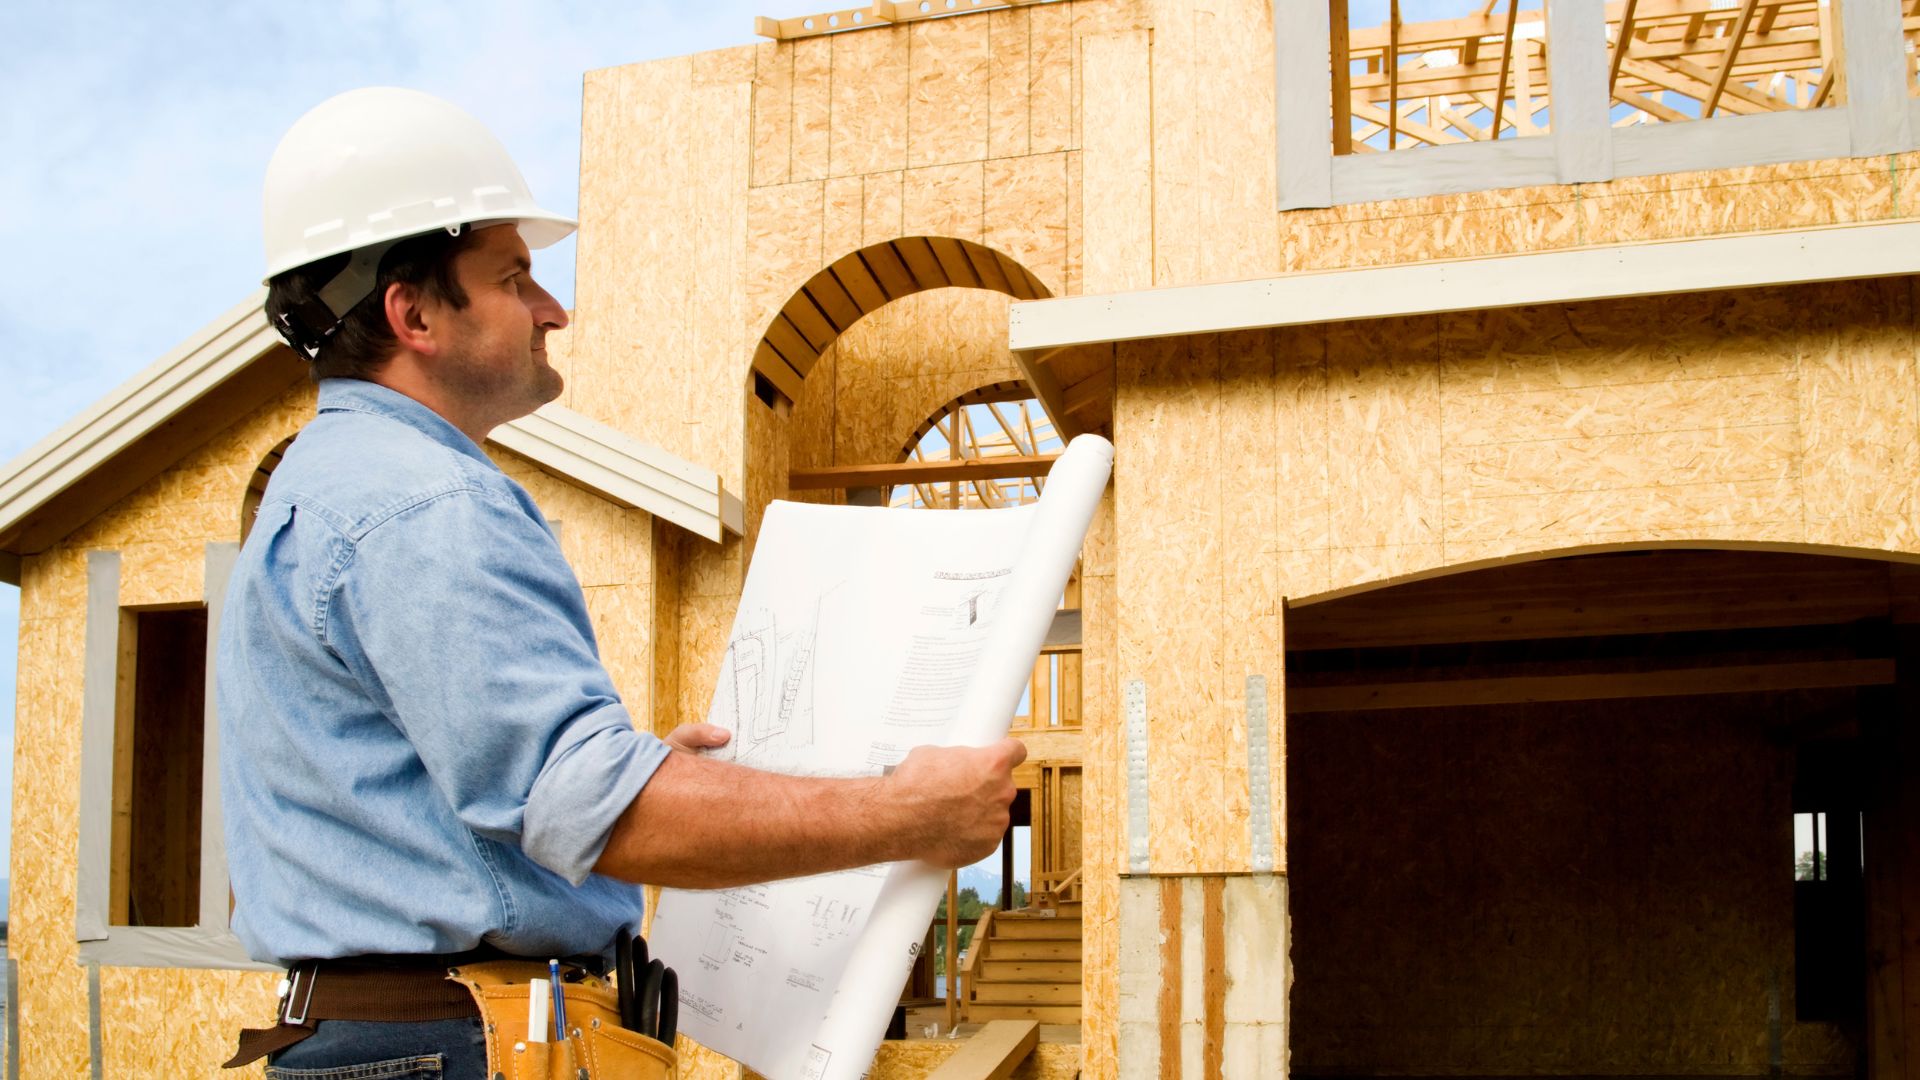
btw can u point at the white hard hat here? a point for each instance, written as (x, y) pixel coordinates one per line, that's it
(380, 164)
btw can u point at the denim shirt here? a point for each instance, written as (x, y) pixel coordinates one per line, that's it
(420, 751)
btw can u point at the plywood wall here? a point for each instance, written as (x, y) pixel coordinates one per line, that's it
(1590, 888)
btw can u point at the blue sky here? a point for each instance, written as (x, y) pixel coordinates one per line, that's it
(133, 138)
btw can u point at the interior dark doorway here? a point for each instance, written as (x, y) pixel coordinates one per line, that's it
(1562, 818)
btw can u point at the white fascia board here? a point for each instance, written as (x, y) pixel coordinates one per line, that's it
(167, 387)
(623, 470)
(1838, 253)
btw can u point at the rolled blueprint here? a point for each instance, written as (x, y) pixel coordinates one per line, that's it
(884, 953)
(862, 632)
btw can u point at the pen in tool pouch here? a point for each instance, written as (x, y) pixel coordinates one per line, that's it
(559, 1001)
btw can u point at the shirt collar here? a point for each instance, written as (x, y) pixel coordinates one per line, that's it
(359, 395)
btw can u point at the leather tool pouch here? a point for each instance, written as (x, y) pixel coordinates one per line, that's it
(596, 1047)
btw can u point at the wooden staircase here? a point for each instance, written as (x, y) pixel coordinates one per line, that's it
(1024, 965)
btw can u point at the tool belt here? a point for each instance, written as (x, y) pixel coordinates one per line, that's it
(495, 990)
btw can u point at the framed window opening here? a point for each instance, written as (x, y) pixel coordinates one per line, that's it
(1765, 81)
(179, 917)
(158, 749)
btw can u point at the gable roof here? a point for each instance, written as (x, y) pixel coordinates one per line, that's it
(237, 363)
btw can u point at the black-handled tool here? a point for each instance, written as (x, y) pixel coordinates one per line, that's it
(623, 974)
(669, 1019)
(650, 999)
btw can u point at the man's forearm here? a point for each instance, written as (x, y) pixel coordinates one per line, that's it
(702, 824)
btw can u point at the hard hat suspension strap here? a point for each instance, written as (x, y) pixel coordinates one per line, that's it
(312, 323)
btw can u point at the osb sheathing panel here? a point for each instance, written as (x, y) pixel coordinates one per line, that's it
(948, 98)
(1213, 121)
(1116, 253)
(1786, 416)
(1756, 198)
(658, 341)
(1585, 888)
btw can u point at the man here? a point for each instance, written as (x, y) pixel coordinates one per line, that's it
(423, 760)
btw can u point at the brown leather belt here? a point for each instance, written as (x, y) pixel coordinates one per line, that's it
(389, 988)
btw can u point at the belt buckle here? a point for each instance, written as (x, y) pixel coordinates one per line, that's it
(294, 976)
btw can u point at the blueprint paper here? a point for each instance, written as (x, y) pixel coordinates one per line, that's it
(862, 632)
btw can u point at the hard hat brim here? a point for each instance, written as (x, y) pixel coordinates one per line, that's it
(539, 228)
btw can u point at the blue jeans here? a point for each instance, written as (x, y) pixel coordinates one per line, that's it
(386, 1050)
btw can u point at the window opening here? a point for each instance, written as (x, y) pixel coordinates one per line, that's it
(1411, 73)
(1673, 62)
(1809, 847)
(159, 739)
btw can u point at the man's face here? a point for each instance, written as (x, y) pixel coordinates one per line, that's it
(497, 359)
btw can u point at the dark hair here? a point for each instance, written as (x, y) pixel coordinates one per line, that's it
(364, 342)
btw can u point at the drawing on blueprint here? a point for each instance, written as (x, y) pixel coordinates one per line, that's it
(719, 945)
(766, 690)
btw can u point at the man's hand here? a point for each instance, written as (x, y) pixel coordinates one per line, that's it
(692, 737)
(957, 799)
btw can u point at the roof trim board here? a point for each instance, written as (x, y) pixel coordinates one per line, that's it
(1839, 253)
(599, 458)
(624, 470)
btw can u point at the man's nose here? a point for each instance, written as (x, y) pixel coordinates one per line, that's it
(547, 311)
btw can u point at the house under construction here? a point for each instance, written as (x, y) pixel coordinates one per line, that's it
(1495, 656)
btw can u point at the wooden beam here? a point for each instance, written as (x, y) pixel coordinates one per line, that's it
(1649, 106)
(1733, 90)
(1527, 689)
(1342, 77)
(1621, 42)
(1665, 79)
(992, 1053)
(960, 471)
(1424, 132)
(1393, 74)
(1506, 60)
(1734, 39)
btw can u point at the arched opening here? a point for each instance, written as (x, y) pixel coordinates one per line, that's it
(1632, 813)
(257, 485)
(864, 281)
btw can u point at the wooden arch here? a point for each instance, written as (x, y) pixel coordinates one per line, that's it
(864, 281)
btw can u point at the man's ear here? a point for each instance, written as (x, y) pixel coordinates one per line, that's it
(409, 319)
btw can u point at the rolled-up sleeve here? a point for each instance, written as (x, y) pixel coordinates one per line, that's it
(460, 614)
